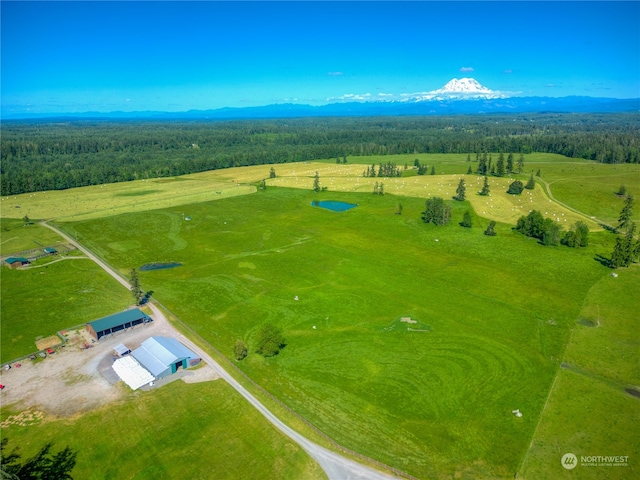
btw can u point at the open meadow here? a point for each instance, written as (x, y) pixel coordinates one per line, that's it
(201, 430)
(494, 316)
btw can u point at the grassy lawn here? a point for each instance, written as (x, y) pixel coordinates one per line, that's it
(182, 430)
(434, 403)
(18, 237)
(495, 314)
(38, 302)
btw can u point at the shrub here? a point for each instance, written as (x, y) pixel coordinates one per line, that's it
(516, 188)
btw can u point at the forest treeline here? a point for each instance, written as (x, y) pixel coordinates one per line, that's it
(42, 155)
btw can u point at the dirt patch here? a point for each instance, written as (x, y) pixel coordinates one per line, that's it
(77, 379)
(49, 342)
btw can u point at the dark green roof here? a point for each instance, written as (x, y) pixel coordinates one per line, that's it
(121, 318)
(12, 260)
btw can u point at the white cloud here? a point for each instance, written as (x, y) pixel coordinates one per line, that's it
(351, 97)
(335, 74)
(466, 69)
(507, 71)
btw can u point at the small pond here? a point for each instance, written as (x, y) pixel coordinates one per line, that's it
(159, 266)
(333, 205)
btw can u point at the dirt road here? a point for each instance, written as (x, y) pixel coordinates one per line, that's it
(335, 466)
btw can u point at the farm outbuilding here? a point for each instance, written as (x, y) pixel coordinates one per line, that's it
(114, 323)
(162, 356)
(15, 262)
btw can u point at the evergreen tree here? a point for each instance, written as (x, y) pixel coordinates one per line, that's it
(500, 167)
(436, 211)
(482, 165)
(531, 183)
(510, 163)
(622, 191)
(520, 163)
(26, 220)
(422, 170)
(433, 170)
(538, 174)
(469, 170)
(316, 182)
(399, 210)
(490, 231)
(468, 157)
(42, 466)
(618, 257)
(485, 188)
(344, 159)
(460, 191)
(136, 291)
(467, 220)
(624, 220)
(272, 173)
(416, 163)
(516, 188)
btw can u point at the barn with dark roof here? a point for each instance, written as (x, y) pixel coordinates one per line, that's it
(115, 323)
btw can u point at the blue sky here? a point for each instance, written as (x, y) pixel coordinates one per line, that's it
(176, 56)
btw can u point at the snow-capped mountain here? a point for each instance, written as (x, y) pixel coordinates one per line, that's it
(456, 89)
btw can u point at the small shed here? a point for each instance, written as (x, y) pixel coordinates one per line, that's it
(15, 262)
(163, 356)
(121, 350)
(115, 323)
(50, 250)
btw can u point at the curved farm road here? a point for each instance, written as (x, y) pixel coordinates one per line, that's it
(335, 465)
(547, 186)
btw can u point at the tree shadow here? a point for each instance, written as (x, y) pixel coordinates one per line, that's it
(146, 298)
(603, 260)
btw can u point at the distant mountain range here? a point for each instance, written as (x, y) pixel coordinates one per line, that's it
(459, 96)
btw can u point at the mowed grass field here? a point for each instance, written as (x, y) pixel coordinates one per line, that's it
(53, 294)
(435, 403)
(499, 311)
(589, 395)
(180, 431)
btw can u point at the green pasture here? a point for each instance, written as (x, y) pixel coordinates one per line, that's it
(436, 404)
(16, 237)
(48, 297)
(589, 411)
(497, 315)
(587, 186)
(203, 430)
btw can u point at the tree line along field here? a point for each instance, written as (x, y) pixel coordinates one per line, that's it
(54, 155)
(499, 312)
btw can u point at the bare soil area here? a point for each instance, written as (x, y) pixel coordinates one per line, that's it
(77, 379)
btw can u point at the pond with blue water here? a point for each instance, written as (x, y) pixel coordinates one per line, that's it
(333, 205)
